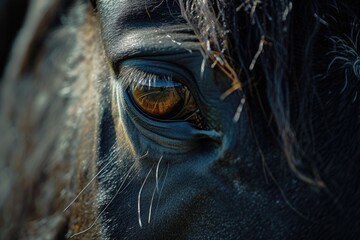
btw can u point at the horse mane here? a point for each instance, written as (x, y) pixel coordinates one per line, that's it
(259, 46)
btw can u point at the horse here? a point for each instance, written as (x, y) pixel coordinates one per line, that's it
(186, 119)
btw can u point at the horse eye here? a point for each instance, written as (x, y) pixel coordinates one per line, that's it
(163, 99)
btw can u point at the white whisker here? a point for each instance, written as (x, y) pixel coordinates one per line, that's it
(139, 196)
(151, 203)
(162, 187)
(156, 189)
(88, 184)
(157, 174)
(147, 152)
(112, 199)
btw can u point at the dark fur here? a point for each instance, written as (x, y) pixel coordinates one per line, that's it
(302, 84)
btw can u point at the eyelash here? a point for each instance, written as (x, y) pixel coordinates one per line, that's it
(128, 76)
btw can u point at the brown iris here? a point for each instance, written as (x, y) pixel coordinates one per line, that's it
(163, 99)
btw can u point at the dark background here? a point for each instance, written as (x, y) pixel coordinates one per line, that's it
(12, 14)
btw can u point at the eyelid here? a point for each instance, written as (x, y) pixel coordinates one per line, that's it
(133, 69)
(130, 76)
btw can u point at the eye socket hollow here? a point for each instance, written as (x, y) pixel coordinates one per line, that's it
(163, 98)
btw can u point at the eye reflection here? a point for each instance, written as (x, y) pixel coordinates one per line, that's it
(163, 99)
